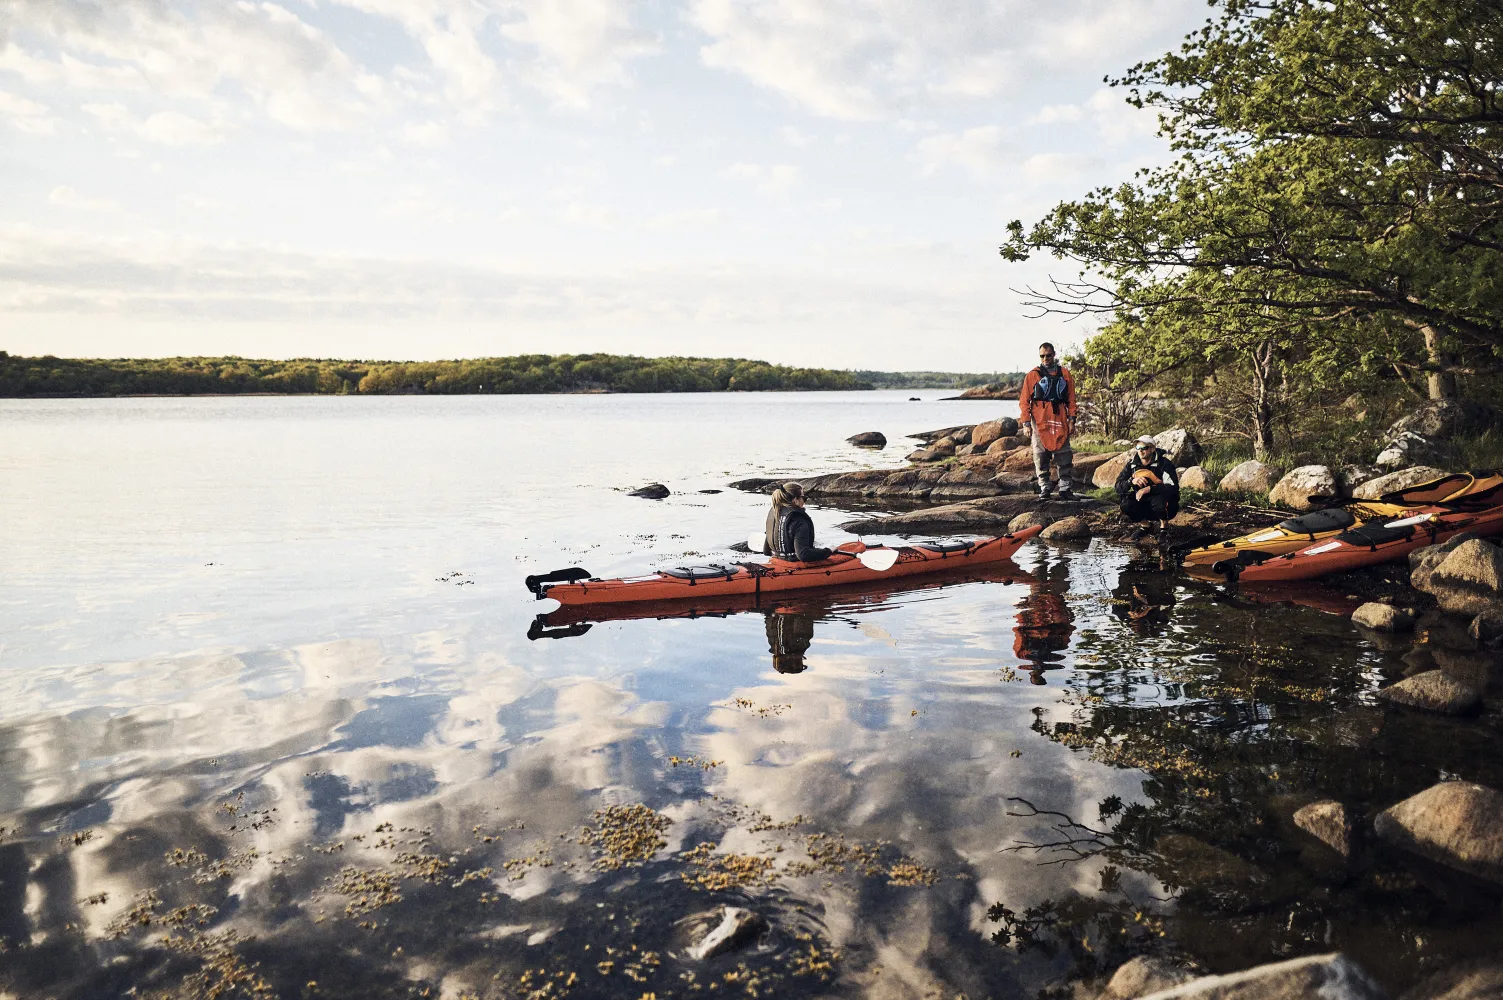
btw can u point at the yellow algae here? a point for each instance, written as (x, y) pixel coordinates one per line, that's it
(625, 835)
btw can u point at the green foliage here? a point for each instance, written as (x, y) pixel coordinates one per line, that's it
(530, 373)
(937, 380)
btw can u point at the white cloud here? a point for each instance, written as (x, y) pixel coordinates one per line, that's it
(170, 128)
(864, 59)
(1058, 166)
(579, 45)
(578, 213)
(773, 181)
(425, 134)
(690, 219)
(26, 115)
(977, 149)
(1112, 116)
(67, 197)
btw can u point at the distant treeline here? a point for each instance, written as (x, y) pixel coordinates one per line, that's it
(528, 373)
(937, 380)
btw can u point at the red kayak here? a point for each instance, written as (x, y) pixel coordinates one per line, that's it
(852, 563)
(1371, 543)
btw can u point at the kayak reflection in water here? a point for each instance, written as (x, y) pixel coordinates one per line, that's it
(789, 634)
(1045, 622)
(790, 530)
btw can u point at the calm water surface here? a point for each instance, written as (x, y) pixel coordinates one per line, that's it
(271, 723)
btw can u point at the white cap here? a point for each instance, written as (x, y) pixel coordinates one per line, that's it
(1148, 439)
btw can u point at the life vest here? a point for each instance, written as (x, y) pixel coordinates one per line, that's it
(1051, 388)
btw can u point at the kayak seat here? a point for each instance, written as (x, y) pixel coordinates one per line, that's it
(943, 547)
(705, 572)
(1319, 521)
(1373, 535)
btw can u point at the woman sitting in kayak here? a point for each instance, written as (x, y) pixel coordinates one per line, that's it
(1148, 485)
(790, 531)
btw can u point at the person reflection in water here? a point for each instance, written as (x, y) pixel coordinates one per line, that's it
(1045, 622)
(789, 634)
(1143, 596)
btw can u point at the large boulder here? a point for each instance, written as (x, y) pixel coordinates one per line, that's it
(1413, 449)
(939, 450)
(1107, 472)
(1179, 446)
(1004, 444)
(868, 439)
(1353, 476)
(1086, 465)
(1403, 479)
(1018, 460)
(1469, 580)
(1383, 617)
(1422, 562)
(1251, 476)
(1327, 977)
(1433, 691)
(1069, 529)
(984, 434)
(1028, 519)
(1299, 485)
(1447, 418)
(1196, 478)
(1457, 823)
(652, 491)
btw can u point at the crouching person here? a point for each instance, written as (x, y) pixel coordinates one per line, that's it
(1148, 485)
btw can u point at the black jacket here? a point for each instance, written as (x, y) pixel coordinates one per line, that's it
(795, 538)
(1167, 486)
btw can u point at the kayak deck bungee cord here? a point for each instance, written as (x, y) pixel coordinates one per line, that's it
(575, 586)
(1308, 529)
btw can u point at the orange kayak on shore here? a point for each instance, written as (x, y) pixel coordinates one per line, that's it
(572, 587)
(1367, 544)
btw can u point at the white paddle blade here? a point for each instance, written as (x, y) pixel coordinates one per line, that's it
(756, 541)
(880, 560)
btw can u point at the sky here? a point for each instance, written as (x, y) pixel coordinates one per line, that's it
(813, 182)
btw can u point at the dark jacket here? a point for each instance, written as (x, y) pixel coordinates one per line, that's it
(795, 536)
(1167, 486)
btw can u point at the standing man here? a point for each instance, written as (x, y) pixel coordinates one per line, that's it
(1047, 403)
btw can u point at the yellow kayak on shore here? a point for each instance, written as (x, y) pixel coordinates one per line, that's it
(1297, 532)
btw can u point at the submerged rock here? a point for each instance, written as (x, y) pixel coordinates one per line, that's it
(1433, 691)
(1251, 476)
(986, 515)
(1299, 485)
(1383, 617)
(868, 439)
(1327, 977)
(1403, 479)
(736, 927)
(1144, 975)
(652, 491)
(1456, 823)
(1196, 862)
(1328, 822)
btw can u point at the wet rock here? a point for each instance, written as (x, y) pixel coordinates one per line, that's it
(1447, 418)
(960, 434)
(988, 514)
(868, 439)
(1383, 617)
(1028, 519)
(1409, 449)
(1196, 478)
(1251, 476)
(1179, 446)
(738, 926)
(1468, 667)
(1404, 478)
(1192, 519)
(1069, 529)
(1107, 472)
(1422, 562)
(1328, 822)
(1456, 823)
(933, 453)
(1299, 485)
(1433, 691)
(1487, 628)
(1469, 580)
(1468, 981)
(1142, 976)
(1327, 977)
(1197, 863)
(652, 491)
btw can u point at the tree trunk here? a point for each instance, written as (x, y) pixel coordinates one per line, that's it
(1441, 381)
(1265, 373)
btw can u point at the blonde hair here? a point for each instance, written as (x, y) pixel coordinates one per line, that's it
(786, 494)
